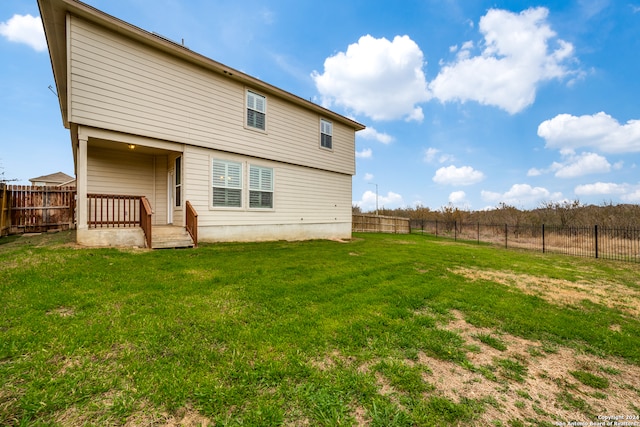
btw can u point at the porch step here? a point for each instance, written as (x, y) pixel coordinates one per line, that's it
(169, 236)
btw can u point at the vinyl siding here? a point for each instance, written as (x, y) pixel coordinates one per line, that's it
(132, 174)
(301, 195)
(118, 84)
(159, 206)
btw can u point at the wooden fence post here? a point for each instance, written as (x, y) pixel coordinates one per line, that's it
(4, 209)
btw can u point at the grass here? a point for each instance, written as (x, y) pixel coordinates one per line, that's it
(491, 341)
(279, 333)
(587, 378)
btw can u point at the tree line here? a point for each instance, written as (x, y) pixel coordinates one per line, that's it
(566, 213)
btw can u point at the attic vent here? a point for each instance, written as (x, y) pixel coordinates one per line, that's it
(169, 40)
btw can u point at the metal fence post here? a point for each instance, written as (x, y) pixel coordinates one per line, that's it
(543, 250)
(506, 235)
(595, 229)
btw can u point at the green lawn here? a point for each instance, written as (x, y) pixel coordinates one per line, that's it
(310, 333)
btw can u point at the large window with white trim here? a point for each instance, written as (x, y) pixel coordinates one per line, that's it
(256, 110)
(260, 187)
(227, 184)
(326, 134)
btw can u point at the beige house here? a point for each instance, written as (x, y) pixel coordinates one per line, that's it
(58, 179)
(157, 127)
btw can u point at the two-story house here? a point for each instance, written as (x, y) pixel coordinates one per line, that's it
(161, 133)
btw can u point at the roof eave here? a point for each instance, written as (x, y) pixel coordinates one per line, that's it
(54, 13)
(54, 23)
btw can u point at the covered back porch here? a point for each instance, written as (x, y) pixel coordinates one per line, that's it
(130, 191)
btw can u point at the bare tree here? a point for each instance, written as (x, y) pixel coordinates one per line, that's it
(3, 179)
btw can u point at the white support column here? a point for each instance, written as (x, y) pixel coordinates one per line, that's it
(81, 181)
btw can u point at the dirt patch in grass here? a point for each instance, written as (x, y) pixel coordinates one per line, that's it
(144, 414)
(547, 391)
(62, 312)
(400, 242)
(331, 361)
(528, 380)
(187, 417)
(558, 291)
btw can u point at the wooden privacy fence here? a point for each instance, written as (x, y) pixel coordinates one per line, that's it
(36, 209)
(380, 224)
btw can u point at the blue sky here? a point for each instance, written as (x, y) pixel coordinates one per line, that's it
(468, 103)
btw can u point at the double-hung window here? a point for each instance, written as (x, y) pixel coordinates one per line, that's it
(326, 134)
(227, 184)
(260, 187)
(256, 110)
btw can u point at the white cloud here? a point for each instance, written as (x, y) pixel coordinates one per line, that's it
(600, 131)
(628, 193)
(381, 79)
(520, 52)
(25, 29)
(368, 177)
(633, 197)
(573, 165)
(452, 175)
(521, 195)
(457, 197)
(432, 155)
(601, 188)
(366, 153)
(390, 201)
(584, 164)
(371, 133)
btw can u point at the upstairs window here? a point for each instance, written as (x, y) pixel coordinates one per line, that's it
(260, 187)
(227, 184)
(326, 134)
(256, 110)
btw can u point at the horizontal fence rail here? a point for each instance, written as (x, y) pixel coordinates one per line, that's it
(380, 224)
(112, 211)
(596, 242)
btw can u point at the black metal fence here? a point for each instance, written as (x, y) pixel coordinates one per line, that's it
(596, 242)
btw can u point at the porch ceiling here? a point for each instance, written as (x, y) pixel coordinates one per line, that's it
(124, 147)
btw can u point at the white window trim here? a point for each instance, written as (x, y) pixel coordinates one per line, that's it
(322, 120)
(245, 186)
(241, 188)
(246, 112)
(175, 186)
(249, 189)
